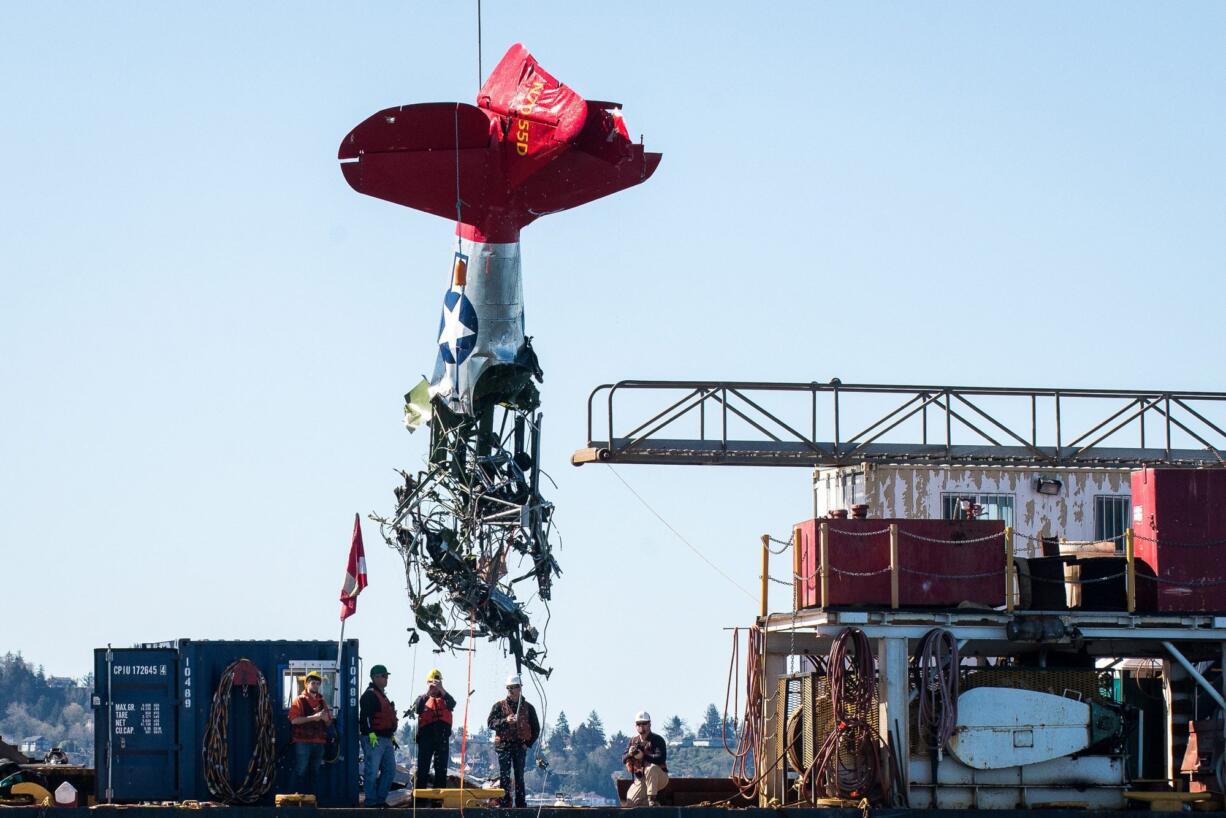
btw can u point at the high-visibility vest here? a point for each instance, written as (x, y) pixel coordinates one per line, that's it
(384, 719)
(436, 711)
(314, 732)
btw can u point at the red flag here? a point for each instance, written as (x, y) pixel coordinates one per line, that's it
(355, 573)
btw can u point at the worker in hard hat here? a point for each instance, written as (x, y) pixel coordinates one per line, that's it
(377, 724)
(645, 759)
(433, 710)
(516, 728)
(309, 717)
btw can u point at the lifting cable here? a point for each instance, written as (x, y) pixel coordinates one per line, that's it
(261, 769)
(468, 695)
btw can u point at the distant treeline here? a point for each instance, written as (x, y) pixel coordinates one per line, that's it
(578, 759)
(584, 759)
(32, 704)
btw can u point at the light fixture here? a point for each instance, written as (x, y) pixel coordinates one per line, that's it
(1048, 485)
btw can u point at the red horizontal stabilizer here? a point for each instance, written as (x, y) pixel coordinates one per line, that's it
(578, 178)
(426, 126)
(532, 146)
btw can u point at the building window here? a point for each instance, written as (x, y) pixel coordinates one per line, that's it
(1111, 518)
(991, 506)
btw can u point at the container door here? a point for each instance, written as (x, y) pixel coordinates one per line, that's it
(136, 712)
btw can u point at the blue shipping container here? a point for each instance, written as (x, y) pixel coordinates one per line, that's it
(136, 750)
(153, 703)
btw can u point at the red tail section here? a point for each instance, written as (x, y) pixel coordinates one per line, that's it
(531, 147)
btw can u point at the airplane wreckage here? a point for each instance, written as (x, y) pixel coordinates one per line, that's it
(529, 147)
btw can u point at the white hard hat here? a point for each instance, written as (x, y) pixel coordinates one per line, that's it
(514, 681)
(642, 715)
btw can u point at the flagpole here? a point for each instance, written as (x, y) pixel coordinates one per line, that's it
(340, 643)
(355, 581)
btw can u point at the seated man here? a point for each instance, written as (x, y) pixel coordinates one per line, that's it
(56, 756)
(644, 760)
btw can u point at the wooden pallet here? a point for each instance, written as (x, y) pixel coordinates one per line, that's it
(454, 797)
(1168, 801)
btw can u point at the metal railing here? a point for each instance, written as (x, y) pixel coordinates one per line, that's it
(715, 410)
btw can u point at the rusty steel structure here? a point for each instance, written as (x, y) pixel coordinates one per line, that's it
(728, 423)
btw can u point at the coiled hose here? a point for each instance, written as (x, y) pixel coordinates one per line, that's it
(848, 763)
(262, 768)
(935, 671)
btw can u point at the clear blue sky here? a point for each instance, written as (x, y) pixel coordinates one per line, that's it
(205, 334)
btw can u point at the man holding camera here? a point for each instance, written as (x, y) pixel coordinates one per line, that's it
(433, 709)
(645, 761)
(516, 728)
(309, 716)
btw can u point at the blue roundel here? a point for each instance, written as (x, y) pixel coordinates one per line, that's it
(457, 329)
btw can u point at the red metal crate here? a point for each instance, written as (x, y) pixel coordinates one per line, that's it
(968, 565)
(1179, 527)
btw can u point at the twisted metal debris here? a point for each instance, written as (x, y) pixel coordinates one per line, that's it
(474, 531)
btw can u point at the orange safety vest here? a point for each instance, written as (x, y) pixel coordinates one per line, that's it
(385, 718)
(436, 711)
(315, 732)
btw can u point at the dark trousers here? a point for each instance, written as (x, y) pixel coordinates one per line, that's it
(509, 757)
(432, 750)
(307, 758)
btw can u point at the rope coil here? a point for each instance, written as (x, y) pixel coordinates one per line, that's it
(261, 769)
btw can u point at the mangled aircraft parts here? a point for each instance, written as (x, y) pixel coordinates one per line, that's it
(531, 146)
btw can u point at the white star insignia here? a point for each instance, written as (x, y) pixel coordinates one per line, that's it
(454, 330)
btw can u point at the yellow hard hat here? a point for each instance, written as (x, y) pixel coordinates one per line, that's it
(434, 675)
(314, 674)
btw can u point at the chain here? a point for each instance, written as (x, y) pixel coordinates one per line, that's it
(785, 543)
(1091, 542)
(1169, 543)
(876, 573)
(1193, 583)
(846, 533)
(1115, 538)
(915, 536)
(1077, 581)
(950, 576)
(791, 650)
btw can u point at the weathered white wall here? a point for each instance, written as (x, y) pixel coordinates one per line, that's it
(915, 492)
